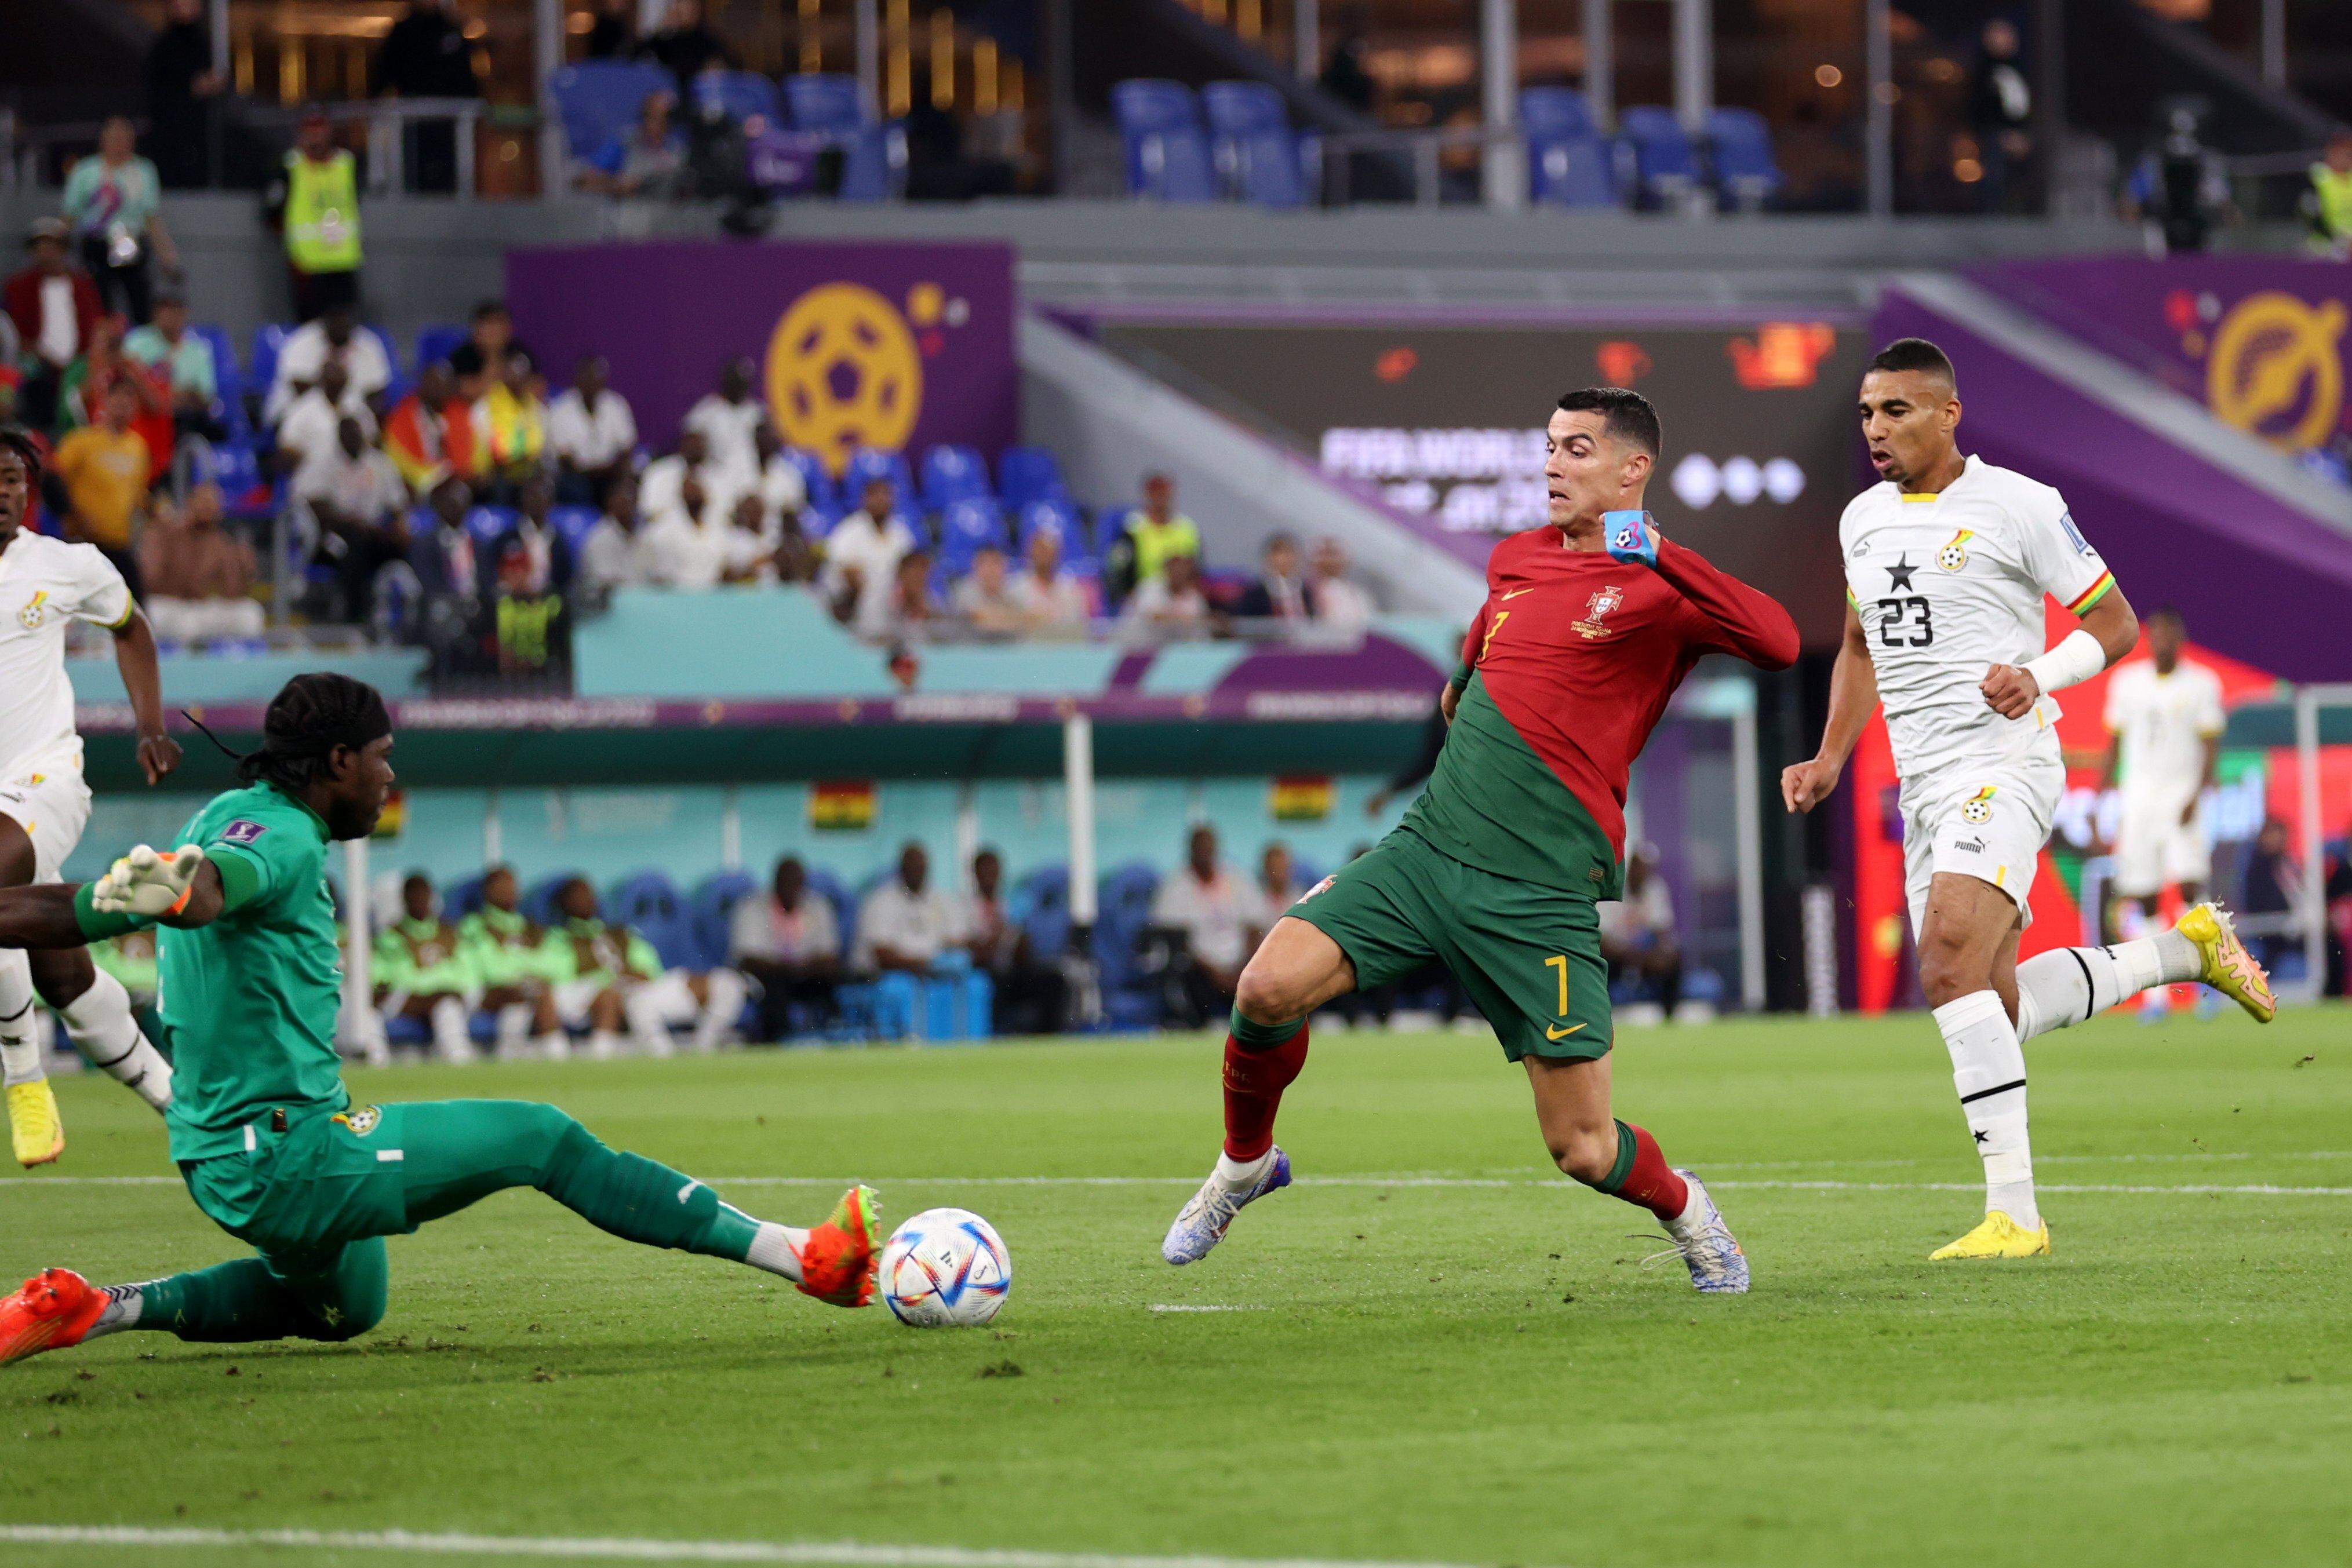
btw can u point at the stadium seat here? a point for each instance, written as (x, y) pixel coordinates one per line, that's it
(710, 914)
(1553, 113)
(867, 464)
(815, 479)
(436, 344)
(1065, 520)
(965, 527)
(873, 156)
(538, 902)
(228, 381)
(1746, 174)
(1167, 148)
(1262, 160)
(1041, 905)
(1123, 915)
(739, 96)
(488, 525)
(1026, 474)
(953, 473)
(261, 364)
(597, 99)
(648, 905)
(461, 898)
(1571, 172)
(1664, 162)
(572, 525)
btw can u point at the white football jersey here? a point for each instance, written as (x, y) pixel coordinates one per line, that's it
(44, 583)
(2162, 723)
(1948, 586)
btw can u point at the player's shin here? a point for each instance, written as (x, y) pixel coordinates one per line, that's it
(103, 1029)
(1641, 1177)
(1989, 1071)
(1262, 1060)
(2074, 985)
(20, 1045)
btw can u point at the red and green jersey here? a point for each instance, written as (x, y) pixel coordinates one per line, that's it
(1566, 670)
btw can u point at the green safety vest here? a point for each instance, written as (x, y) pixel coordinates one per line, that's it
(1155, 542)
(2335, 192)
(322, 212)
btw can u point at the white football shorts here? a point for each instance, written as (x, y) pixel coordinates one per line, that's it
(1986, 821)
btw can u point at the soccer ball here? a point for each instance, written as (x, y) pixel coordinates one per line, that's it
(945, 1267)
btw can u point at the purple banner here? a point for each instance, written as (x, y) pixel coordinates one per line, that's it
(897, 347)
(2260, 340)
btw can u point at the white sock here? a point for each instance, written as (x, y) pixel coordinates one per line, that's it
(1235, 1174)
(728, 994)
(20, 1045)
(514, 1027)
(777, 1248)
(123, 1305)
(648, 1026)
(449, 1036)
(2074, 985)
(102, 1027)
(1989, 1071)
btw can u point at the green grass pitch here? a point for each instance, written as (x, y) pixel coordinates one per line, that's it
(1433, 1349)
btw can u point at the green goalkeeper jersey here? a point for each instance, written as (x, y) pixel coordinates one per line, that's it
(249, 1001)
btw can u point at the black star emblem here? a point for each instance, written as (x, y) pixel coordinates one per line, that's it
(1980, 1137)
(1899, 574)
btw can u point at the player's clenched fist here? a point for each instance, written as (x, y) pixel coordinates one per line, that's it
(2010, 691)
(147, 882)
(1805, 785)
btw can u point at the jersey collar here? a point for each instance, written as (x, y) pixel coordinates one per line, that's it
(1969, 467)
(304, 807)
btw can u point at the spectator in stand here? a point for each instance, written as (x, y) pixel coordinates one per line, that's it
(1156, 533)
(2181, 188)
(430, 432)
(358, 506)
(662, 484)
(334, 338)
(181, 87)
(2000, 114)
(862, 555)
(199, 576)
(1052, 602)
(1281, 591)
(592, 434)
(55, 311)
(1032, 994)
(315, 201)
(1205, 912)
(609, 554)
(546, 565)
(2327, 204)
(983, 598)
(426, 55)
(906, 923)
(167, 345)
(483, 355)
(911, 612)
(2271, 896)
(789, 941)
(114, 198)
(1338, 601)
(1638, 938)
(91, 379)
(749, 553)
(423, 972)
(795, 557)
(1170, 605)
(728, 421)
(307, 432)
(510, 429)
(781, 485)
(106, 470)
(650, 159)
(684, 46)
(614, 34)
(442, 552)
(1277, 889)
(684, 546)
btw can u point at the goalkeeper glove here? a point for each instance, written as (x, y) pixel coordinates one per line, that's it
(149, 882)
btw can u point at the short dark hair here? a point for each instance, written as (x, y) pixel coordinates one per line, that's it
(1624, 413)
(310, 717)
(1916, 354)
(16, 438)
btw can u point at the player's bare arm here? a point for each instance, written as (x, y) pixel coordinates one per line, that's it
(1853, 697)
(2011, 690)
(134, 655)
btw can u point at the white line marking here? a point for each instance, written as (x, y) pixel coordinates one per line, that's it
(852, 1554)
(1188, 1307)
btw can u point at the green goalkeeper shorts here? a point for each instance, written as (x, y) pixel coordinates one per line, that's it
(1528, 955)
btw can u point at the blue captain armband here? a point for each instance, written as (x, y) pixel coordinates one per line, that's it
(1629, 538)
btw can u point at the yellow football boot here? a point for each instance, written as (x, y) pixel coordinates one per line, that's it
(2229, 968)
(1998, 1236)
(39, 1132)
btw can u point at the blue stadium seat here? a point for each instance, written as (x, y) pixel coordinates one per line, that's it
(648, 905)
(874, 155)
(815, 477)
(845, 907)
(262, 363)
(1041, 907)
(820, 102)
(865, 464)
(461, 898)
(739, 96)
(710, 914)
(488, 525)
(1551, 113)
(965, 527)
(1263, 160)
(1577, 170)
(1026, 474)
(572, 525)
(1122, 913)
(228, 380)
(1167, 147)
(1665, 163)
(538, 900)
(1746, 174)
(598, 99)
(953, 473)
(1063, 519)
(436, 344)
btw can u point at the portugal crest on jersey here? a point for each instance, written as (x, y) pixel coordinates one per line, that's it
(36, 611)
(1597, 610)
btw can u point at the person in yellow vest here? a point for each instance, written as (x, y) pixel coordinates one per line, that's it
(1155, 532)
(316, 203)
(2329, 203)
(511, 430)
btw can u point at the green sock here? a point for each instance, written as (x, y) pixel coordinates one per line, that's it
(643, 1200)
(1251, 1035)
(251, 1299)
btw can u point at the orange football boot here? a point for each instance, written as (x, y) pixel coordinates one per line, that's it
(837, 1260)
(55, 1308)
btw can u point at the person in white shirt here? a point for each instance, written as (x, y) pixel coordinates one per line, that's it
(609, 557)
(1168, 605)
(1052, 602)
(684, 546)
(309, 434)
(730, 420)
(1338, 601)
(1276, 890)
(1639, 939)
(749, 552)
(1946, 564)
(906, 923)
(45, 584)
(788, 940)
(591, 432)
(334, 338)
(983, 598)
(1210, 909)
(783, 488)
(862, 555)
(2164, 725)
(663, 479)
(357, 503)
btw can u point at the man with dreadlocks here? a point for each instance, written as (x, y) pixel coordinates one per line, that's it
(266, 1137)
(45, 583)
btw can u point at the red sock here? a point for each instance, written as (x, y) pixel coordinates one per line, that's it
(1651, 1183)
(1255, 1081)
